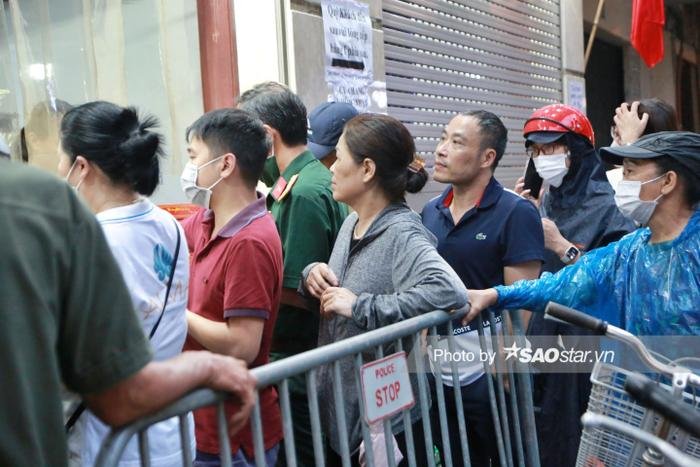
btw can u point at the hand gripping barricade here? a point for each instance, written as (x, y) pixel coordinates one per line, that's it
(514, 418)
(631, 420)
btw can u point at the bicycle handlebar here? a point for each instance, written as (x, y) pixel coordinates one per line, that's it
(650, 395)
(576, 318)
(682, 376)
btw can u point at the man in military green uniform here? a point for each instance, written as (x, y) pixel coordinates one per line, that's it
(308, 219)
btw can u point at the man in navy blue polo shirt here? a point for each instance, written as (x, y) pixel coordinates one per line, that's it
(489, 236)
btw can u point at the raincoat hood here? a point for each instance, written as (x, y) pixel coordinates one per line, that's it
(583, 207)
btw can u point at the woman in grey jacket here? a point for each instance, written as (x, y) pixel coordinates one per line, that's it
(384, 267)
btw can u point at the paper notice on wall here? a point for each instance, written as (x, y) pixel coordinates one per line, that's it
(347, 29)
(364, 96)
(352, 90)
(575, 92)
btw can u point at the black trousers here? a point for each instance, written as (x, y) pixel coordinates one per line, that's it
(303, 438)
(481, 435)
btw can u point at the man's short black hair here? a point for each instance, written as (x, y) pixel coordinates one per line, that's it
(238, 132)
(494, 134)
(278, 107)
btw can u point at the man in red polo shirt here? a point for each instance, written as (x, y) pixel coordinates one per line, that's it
(235, 266)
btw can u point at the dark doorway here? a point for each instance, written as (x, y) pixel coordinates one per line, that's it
(689, 96)
(605, 89)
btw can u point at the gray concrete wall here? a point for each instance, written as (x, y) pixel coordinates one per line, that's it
(572, 36)
(642, 82)
(615, 20)
(572, 46)
(308, 55)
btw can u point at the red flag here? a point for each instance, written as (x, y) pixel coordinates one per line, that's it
(647, 35)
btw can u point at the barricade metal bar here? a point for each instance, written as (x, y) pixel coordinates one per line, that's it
(527, 420)
(339, 401)
(379, 352)
(306, 362)
(442, 412)
(388, 443)
(524, 384)
(525, 401)
(256, 425)
(457, 388)
(492, 396)
(366, 436)
(517, 427)
(287, 424)
(224, 444)
(500, 389)
(144, 452)
(312, 397)
(410, 454)
(424, 406)
(276, 371)
(386, 424)
(116, 441)
(513, 399)
(185, 440)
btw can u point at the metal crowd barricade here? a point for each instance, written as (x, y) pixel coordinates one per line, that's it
(513, 416)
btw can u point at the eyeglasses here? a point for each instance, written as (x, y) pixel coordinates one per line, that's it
(545, 150)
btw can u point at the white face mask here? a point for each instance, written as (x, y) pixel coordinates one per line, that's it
(70, 171)
(198, 195)
(629, 204)
(552, 168)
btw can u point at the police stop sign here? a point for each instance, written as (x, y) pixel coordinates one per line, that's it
(386, 389)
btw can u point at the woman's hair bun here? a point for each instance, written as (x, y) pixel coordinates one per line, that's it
(125, 147)
(416, 179)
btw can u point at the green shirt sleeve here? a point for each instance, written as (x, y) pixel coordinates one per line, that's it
(313, 221)
(101, 341)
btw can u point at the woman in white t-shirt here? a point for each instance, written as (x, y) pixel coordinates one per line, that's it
(111, 157)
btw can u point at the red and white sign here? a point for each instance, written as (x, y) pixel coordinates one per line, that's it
(386, 388)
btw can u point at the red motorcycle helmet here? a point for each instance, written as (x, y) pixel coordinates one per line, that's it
(558, 118)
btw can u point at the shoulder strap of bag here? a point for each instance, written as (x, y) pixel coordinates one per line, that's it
(170, 282)
(81, 408)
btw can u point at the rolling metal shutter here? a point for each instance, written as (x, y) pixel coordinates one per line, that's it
(449, 56)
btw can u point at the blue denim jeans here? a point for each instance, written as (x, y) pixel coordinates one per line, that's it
(239, 459)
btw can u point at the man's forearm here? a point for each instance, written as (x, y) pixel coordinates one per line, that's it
(153, 387)
(212, 335)
(240, 339)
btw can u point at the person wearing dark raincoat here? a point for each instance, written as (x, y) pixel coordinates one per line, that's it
(579, 214)
(648, 282)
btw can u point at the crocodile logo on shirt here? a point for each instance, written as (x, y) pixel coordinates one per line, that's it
(162, 262)
(480, 236)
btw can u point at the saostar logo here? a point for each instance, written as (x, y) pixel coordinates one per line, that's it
(555, 355)
(526, 355)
